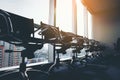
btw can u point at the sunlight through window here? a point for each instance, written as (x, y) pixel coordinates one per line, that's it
(64, 15)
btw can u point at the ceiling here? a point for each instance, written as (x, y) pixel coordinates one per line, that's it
(101, 6)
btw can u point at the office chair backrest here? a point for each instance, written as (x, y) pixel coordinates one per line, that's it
(49, 31)
(22, 27)
(4, 23)
(15, 25)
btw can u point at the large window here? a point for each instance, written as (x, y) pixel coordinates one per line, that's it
(35, 9)
(65, 20)
(39, 10)
(84, 23)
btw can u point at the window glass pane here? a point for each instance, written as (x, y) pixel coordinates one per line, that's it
(64, 20)
(80, 18)
(81, 23)
(64, 15)
(36, 9)
(89, 26)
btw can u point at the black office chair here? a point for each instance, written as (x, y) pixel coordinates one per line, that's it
(17, 30)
